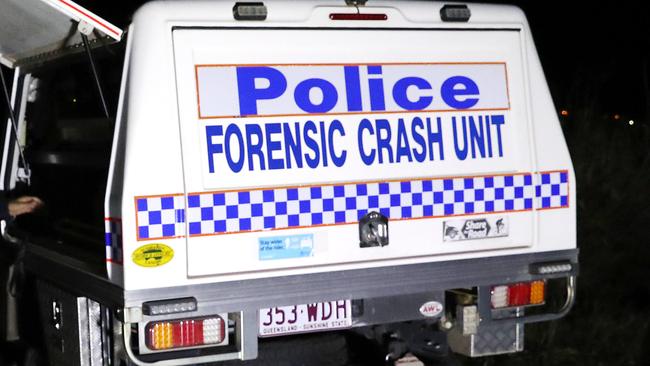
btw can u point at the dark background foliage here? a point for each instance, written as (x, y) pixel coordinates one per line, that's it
(596, 60)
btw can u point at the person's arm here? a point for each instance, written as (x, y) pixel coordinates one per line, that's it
(23, 205)
(18, 206)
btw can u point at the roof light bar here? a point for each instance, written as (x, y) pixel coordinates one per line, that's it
(455, 13)
(249, 11)
(164, 307)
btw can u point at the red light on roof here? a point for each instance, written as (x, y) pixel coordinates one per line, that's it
(357, 16)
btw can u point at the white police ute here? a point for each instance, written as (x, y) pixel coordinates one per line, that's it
(387, 168)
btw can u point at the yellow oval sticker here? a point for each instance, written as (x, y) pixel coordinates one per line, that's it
(152, 255)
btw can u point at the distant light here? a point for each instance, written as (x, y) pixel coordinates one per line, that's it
(617, 117)
(74, 100)
(564, 112)
(631, 122)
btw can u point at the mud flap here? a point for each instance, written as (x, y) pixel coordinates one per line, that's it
(489, 339)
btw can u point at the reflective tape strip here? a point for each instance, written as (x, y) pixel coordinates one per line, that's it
(233, 212)
(113, 239)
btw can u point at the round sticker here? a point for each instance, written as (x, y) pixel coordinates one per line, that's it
(152, 255)
(431, 308)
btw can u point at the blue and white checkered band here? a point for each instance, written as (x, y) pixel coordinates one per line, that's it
(161, 216)
(113, 239)
(294, 207)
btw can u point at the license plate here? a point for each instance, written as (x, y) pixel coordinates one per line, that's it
(303, 318)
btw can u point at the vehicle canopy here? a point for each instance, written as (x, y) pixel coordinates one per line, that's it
(276, 156)
(251, 148)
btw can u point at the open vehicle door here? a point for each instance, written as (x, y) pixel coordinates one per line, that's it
(36, 31)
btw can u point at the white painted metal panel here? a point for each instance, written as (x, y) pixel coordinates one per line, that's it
(206, 67)
(162, 83)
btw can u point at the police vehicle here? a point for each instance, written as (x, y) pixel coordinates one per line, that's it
(392, 169)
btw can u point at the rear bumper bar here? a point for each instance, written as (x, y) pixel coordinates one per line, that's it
(358, 284)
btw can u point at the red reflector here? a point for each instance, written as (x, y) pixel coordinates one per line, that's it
(353, 16)
(519, 294)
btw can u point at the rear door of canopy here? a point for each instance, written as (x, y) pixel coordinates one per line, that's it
(36, 31)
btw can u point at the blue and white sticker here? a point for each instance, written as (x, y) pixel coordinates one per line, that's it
(475, 228)
(285, 247)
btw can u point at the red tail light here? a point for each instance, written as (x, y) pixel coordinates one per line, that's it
(518, 294)
(183, 333)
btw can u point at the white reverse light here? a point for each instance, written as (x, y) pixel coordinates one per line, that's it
(499, 297)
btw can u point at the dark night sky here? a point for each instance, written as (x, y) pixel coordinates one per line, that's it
(607, 45)
(586, 47)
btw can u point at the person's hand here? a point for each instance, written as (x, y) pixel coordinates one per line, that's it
(23, 205)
